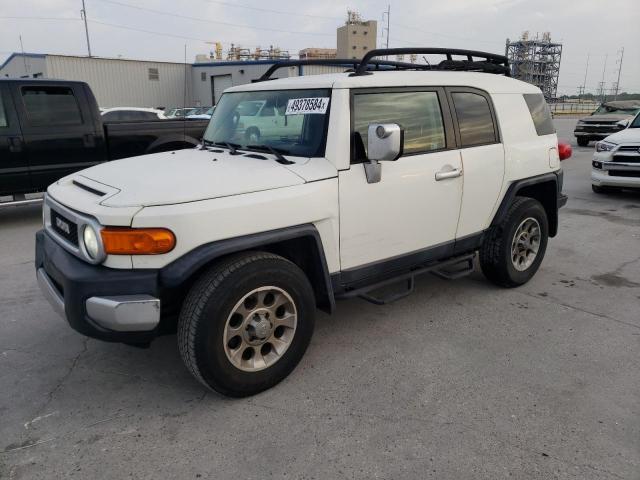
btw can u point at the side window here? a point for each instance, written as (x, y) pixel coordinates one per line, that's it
(4, 122)
(51, 106)
(267, 111)
(110, 117)
(540, 113)
(417, 113)
(474, 119)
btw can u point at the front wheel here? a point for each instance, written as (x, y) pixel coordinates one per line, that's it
(513, 250)
(246, 323)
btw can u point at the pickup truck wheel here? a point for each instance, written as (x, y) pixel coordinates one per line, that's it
(252, 136)
(583, 142)
(512, 252)
(246, 323)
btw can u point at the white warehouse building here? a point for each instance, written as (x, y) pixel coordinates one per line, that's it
(120, 82)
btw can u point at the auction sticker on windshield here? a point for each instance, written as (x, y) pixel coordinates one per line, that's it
(302, 106)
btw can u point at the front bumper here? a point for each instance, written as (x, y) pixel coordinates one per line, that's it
(603, 178)
(100, 302)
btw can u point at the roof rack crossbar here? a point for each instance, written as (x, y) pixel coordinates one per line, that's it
(486, 62)
(340, 62)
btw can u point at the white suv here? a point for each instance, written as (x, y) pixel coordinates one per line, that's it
(616, 162)
(387, 174)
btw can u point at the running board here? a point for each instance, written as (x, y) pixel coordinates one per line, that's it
(450, 269)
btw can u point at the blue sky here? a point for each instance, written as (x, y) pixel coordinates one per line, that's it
(159, 29)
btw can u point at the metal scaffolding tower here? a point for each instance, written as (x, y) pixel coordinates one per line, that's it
(536, 61)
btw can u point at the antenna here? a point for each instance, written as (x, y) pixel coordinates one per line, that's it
(24, 57)
(83, 14)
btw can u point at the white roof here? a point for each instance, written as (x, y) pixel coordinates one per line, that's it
(488, 82)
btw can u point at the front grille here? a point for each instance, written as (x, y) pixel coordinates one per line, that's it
(624, 173)
(626, 158)
(630, 148)
(64, 227)
(602, 128)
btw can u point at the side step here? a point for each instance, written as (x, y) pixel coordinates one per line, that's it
(449, 269)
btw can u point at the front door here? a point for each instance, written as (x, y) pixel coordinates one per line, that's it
(14, 169)
(412, 213)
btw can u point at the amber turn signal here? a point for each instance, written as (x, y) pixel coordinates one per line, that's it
(137, 241)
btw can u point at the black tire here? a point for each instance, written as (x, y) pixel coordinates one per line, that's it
(583, 142)
(249, 131)
(495, 252)
(208, 305)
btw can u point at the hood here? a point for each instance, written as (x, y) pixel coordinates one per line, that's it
(609, 118)
(186, 176)
(628, 135)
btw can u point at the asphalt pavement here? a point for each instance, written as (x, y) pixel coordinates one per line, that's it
(461, 380)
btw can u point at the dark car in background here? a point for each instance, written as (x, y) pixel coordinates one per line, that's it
(610, 117)
(52, 128)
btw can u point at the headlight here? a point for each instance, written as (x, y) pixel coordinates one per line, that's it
(90, 238)
(604, 147)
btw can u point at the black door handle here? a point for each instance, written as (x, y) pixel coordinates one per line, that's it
(15, 144)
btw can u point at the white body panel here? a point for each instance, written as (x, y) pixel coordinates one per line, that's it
(197, 223)
(408, 210)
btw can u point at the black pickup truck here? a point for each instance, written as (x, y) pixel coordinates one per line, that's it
(52, 128)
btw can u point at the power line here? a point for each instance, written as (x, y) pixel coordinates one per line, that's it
(268, 10)
(205, 20)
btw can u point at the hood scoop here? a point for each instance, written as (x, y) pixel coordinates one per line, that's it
(89, 189)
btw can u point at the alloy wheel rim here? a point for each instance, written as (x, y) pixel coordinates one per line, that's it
(525, 244)
(260, 328)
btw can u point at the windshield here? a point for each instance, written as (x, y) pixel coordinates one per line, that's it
(636, 122)
(293, 122)
(608, 110)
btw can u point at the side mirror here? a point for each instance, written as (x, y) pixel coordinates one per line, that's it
(384, 143)
(623, 124)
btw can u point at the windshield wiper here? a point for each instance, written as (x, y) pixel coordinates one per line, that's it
(276, 152)
(233, 147)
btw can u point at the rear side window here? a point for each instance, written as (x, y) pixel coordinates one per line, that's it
(51, 106)
(474, 119)
(540, 113)
(417, 113)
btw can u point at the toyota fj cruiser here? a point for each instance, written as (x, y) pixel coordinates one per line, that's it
(373, 177)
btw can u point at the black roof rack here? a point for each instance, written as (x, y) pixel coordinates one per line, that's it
(354, 63)
(475, 61)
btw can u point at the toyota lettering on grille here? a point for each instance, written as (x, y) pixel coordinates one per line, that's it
(62, 225)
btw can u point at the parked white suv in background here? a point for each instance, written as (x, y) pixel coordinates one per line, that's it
(389, 174)
(616, 162)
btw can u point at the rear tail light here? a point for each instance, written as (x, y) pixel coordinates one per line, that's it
(564, 150)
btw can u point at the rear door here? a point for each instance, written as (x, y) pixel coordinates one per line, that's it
(482, 152)
(58, 129)
(14, 170)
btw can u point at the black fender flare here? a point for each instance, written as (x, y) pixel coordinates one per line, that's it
(549, 188)
(180, 270)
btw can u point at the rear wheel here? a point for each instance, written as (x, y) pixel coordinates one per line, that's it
(246, 323)
(582, 141)
(514, 249)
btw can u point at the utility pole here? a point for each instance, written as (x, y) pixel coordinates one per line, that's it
(387, 14)
(83, 12)
(615, 95)
(604, 69)
(584, 83)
